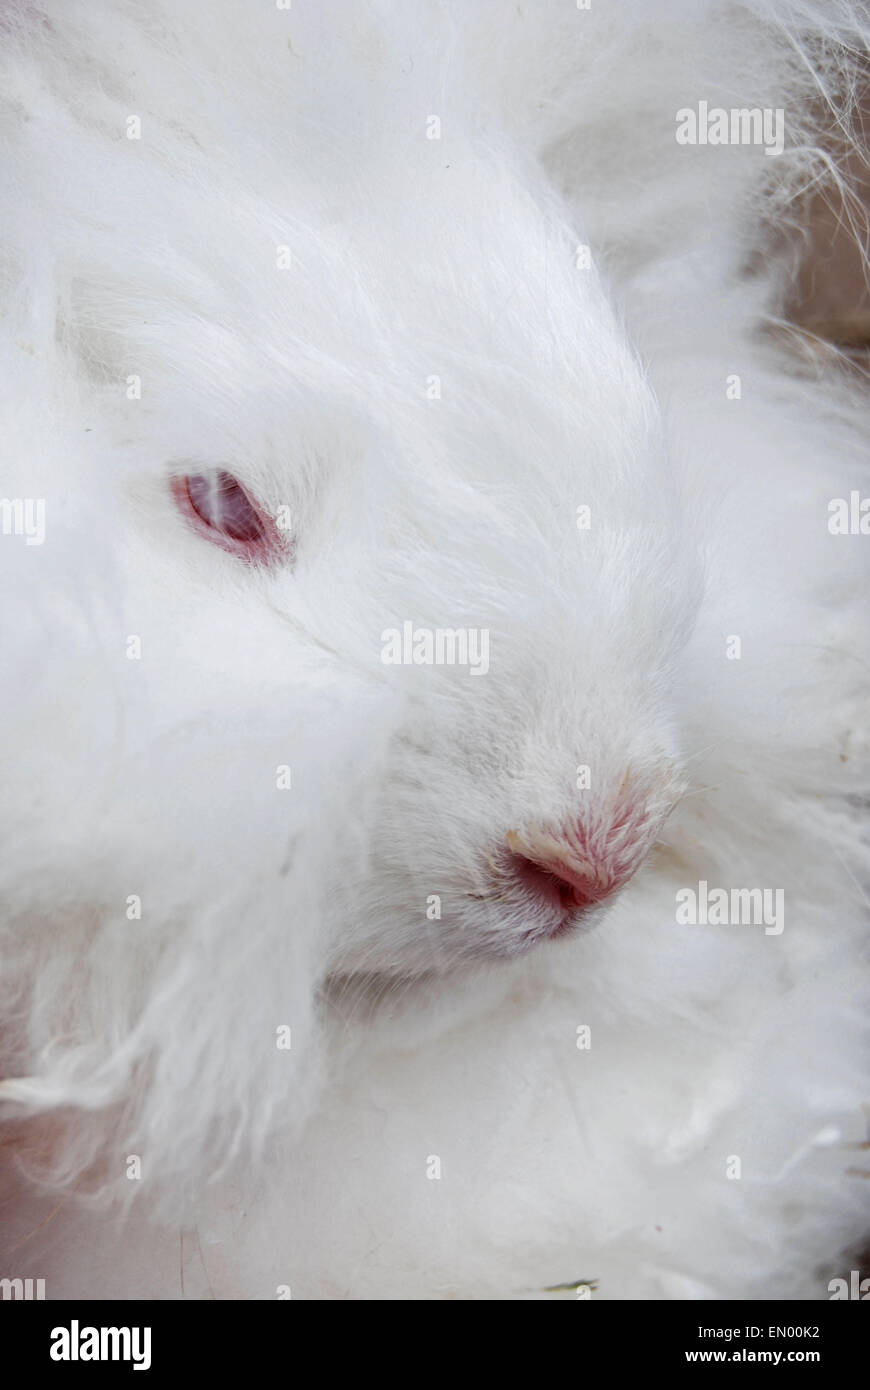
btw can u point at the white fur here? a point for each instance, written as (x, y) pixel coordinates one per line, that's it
(261, 908)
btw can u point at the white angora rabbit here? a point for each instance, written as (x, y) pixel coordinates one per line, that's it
(435, 663)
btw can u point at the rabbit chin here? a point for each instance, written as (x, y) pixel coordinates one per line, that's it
(414, 910)
(480, 934)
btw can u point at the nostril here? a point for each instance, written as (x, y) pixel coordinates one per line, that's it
(586, 860)
(548, 864)
(551, 881)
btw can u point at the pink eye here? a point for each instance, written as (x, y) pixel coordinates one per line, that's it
(219, 508)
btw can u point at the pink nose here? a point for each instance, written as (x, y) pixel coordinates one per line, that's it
(583, 864)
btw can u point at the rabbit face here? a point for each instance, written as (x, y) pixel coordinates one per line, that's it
(418, 467)
(378, 486)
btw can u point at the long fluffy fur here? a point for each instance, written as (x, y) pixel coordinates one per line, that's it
(561, 386)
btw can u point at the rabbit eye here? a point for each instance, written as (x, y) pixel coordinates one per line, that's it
(216, 505)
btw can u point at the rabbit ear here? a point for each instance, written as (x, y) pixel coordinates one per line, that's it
(217, 1056)
(181, 1028)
